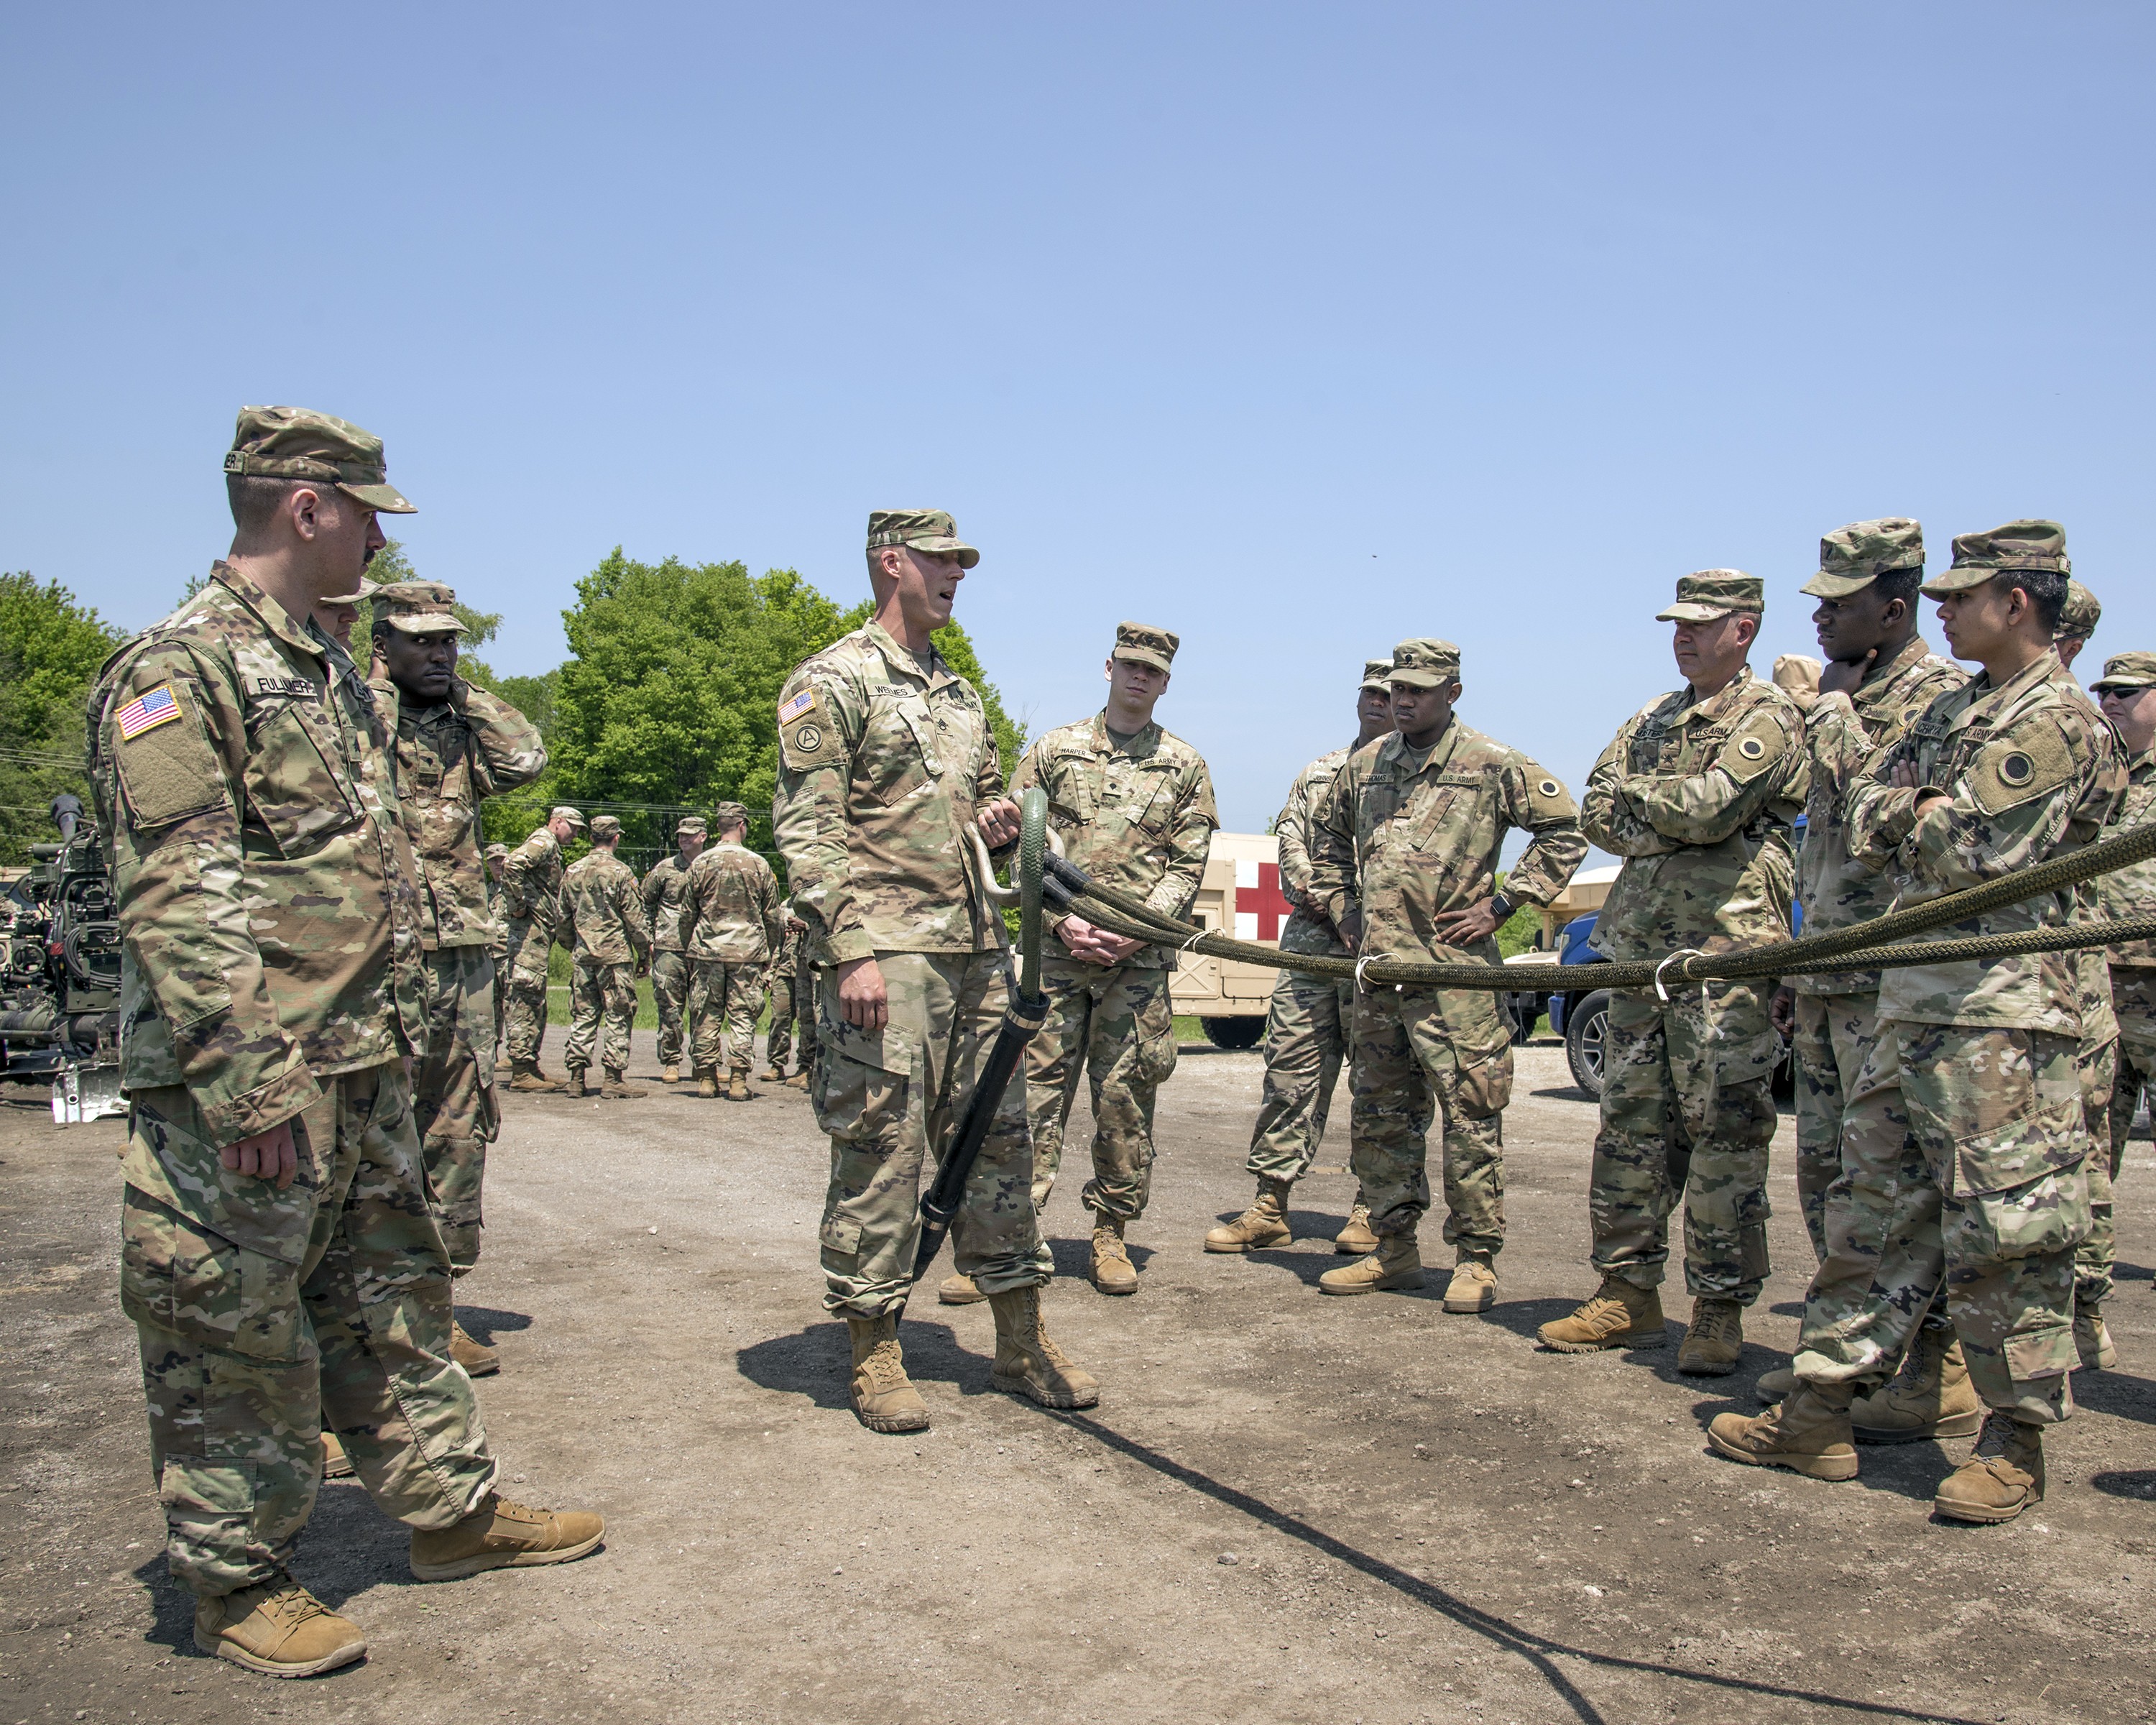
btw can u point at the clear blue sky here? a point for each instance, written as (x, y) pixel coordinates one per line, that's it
(1298, 330)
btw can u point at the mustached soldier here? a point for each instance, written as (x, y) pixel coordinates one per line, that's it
(2127, 694)
(665, 903)
(1406, 866)
(536, 919)
(1981, 1178)
(1134, 805)
(455, 746)
(731, 929)
(1309, 1025)
(1696, 793)
(604, 910)
(885, 758)
(1879, 677)
(279, 1255)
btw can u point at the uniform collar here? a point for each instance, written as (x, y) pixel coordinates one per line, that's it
(1141, 746)
(1914, 652)
(280, 622)
(1394, 748)
(1994, 699)
(936, 673)
(1717, 704)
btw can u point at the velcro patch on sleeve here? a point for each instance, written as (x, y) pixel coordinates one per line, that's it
(807, 738)
(1757, 746)
(1548, 799)
(2020, 767)
(167, 766)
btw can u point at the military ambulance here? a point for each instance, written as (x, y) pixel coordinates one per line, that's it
(1240, 897)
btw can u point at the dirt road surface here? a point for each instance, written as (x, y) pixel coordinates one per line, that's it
(1285, 1507)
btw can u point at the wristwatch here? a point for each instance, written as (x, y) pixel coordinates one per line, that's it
(1503, 907)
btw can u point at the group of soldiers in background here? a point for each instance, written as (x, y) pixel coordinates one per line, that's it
(319, 962)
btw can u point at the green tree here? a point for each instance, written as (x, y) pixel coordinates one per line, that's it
(50, 650)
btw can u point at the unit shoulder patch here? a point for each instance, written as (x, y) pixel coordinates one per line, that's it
(2020, 768)
(807, 736)
(1756, 744)
(1547, 798)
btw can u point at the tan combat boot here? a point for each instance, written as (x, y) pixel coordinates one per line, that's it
(737, 1090)
(1473, 1286)
(1618, 1315)
(335, 1464)
(884, 1398)
(958, 1290)
(476, 1357)
(503, 1535)
(1932, 1398)
(1112, 1271)
(1395, 1265)
(1808, 1434)
(2093, 1340)
(799, 1081)
(525, 1076)
(773, 1075)
(672, 1075)
(1264, 1223)
(618, 1088)
(1356, 1237)
(1775, 1386)
(1713, 1340)
(573, 1085)
(707, 1081)
(1029, 1363)
(280, 1628)
(2002, 1477)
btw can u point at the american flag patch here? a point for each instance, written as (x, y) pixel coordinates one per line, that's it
(791, 709)
(147, 712)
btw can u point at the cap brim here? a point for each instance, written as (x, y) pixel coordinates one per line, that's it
(1955, 581)
(367, 589)
(1693, 611)
(2126, 682)
(1382, 685)
(385, 497)
(1823, 586)
(946, 547)
(1140, 656)
(1415, 678)
(425, 623)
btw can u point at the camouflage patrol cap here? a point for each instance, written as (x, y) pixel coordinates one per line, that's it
(730, 814)
(1423, 665)
(297, 442)
(2079, 616)
(562, 811)
(2127, 670)
(605, 827)
(691, 825)
(1708, 594)
(929, 530)
(417, 607)
(2018, 544)
(366, 590)
(495, 853)
(1142, 643)
(1852, 557)
(1377, 674)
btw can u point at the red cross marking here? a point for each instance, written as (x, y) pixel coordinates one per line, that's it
(1265, 901)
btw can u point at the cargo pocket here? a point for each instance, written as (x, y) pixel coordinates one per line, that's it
(1156, 1050)
(201, 1286)
(1482, 1052)
(864, 1083)
(2047, 1214)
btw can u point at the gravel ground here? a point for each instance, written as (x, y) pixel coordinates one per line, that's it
(1285, 1507)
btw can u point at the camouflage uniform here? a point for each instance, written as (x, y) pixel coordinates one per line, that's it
(1971, 1094)
(531, 896)
(1697, 797)
(883, 759)
(1836, 1015)
(2130, 973)
(497, 945)
(606, 912)
(793, 998)
(731, 929)
(665, 903)
(449, 758)
(1137, 816)
(271, 973)
(1406, 836)
(1311, 1021)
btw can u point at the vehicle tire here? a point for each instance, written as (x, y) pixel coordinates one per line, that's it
(1236, 1034)
(1586, 1035)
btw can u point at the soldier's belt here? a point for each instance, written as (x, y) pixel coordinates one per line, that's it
(1883, 943)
